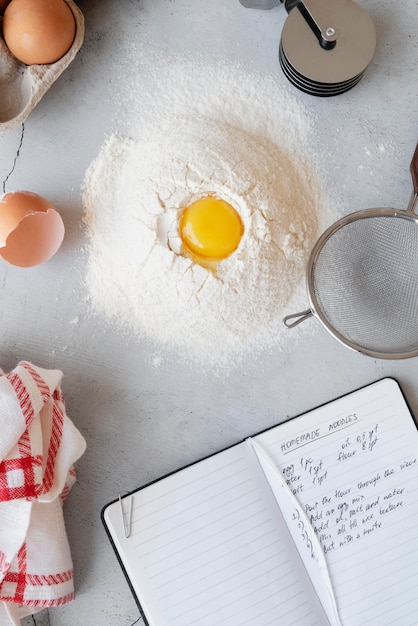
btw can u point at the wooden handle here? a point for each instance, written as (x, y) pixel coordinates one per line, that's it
(414, 170)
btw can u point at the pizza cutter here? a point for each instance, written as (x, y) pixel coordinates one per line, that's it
(326, 45)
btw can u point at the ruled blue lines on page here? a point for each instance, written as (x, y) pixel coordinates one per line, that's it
(205, 549)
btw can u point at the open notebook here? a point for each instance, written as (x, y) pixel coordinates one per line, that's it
(313, 521)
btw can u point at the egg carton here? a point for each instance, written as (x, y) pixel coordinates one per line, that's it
(22, 86)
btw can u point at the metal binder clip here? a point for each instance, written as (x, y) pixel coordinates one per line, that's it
(127, 524)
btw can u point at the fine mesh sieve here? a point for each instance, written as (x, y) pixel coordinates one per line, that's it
(362, 280)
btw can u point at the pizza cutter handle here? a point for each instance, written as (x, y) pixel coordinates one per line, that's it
(289, 4)
(259, 4)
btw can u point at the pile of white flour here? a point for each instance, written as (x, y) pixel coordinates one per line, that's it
(202, 129)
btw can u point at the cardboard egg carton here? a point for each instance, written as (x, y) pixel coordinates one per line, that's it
(22, 86)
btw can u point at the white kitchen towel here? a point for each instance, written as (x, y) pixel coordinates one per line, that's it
(38, 448)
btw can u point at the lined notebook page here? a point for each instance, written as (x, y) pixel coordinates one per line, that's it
(208, 547)
(353, 466)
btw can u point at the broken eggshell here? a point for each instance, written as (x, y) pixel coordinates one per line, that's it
(22, 86)
(31, 229)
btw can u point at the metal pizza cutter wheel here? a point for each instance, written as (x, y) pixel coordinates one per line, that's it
(326, 45)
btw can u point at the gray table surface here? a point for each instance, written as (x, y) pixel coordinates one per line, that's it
(142, 421)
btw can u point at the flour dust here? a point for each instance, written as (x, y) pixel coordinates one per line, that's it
(203, 129)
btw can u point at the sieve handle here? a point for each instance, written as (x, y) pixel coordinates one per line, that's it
(297, 317)
(414, 170)
(414, 173)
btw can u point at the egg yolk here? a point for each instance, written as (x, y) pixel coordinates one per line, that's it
(210, 229)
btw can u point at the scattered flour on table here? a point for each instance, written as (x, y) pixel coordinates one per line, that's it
(193, 129)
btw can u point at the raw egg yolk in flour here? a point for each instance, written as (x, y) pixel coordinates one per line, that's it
(210, 229)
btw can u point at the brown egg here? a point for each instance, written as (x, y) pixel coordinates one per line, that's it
(31, 230)
(38, 31)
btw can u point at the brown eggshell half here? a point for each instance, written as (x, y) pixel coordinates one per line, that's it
(31, 230)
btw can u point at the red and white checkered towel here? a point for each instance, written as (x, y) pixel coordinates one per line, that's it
(38, 447)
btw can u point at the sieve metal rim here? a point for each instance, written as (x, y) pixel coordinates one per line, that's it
(315, 308)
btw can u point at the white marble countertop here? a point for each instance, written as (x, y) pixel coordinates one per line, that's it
(142, 421)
